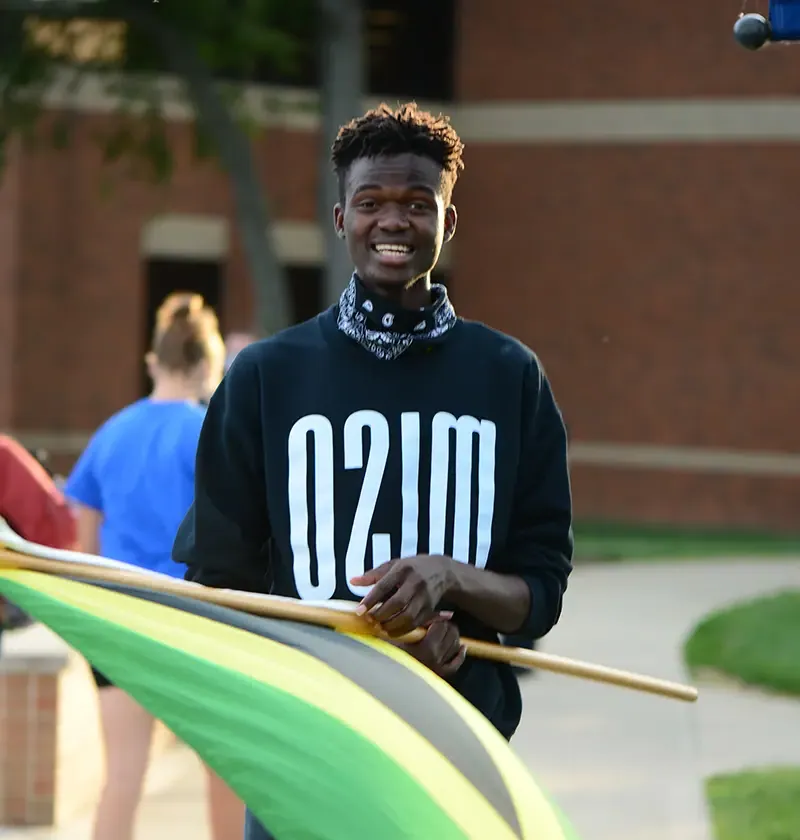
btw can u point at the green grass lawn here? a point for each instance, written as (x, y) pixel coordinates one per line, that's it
(758, 643)
(608, 541)
(756, 805)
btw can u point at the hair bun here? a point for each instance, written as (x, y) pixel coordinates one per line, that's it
(186, 331)
(179, 306)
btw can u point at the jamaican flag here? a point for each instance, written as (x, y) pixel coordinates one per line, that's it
(323, 734)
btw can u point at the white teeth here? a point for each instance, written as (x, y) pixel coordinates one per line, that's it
(392, 249)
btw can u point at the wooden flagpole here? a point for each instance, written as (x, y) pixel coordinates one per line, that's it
(23, 555)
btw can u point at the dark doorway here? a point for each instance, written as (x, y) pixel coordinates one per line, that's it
(396, 26)
(391, 29)
(305, 291)
(165, 276)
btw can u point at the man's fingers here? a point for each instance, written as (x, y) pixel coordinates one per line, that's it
(395, 605)
(425, 649)
(406, 620)
(450, 644)
(404, 611)
(437, 630)
(384, 578)
(442, 615)
(373, 575)
(441, 649)
(446, 647)
(449, 668)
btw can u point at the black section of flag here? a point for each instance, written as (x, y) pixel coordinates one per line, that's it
(379, 675)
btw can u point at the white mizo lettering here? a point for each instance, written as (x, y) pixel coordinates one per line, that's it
(374, 467)
(322, 432)
(373, 476)
(465, 427)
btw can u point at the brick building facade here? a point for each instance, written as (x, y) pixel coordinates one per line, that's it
(628, 209)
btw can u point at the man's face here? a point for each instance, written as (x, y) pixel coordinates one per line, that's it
(394, 219)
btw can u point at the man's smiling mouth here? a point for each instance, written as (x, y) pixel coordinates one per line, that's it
(393, 249)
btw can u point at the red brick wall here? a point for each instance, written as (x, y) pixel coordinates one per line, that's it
(657, 282)
(52, 758)
(9, 255)
(616, 49)
(745, 502)
(28, 705)
(80, 276)
(659, 285)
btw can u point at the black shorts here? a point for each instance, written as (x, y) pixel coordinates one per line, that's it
(100, 681)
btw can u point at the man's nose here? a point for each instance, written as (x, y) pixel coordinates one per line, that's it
(393, 218)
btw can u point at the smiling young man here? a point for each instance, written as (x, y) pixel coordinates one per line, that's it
(389, 451)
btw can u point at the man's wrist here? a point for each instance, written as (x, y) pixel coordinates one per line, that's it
(454, 586)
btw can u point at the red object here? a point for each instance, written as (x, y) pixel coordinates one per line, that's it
(30, 501)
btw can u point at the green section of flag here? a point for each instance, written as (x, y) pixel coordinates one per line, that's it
(303, 773)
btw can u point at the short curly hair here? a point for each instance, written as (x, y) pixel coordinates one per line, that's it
(405, 130)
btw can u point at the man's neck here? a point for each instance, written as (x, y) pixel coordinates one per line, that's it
(414, 297)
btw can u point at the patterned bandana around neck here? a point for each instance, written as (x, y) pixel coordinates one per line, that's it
(386, 330)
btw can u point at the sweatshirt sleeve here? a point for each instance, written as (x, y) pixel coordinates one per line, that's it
(540, 544)
(224, 536)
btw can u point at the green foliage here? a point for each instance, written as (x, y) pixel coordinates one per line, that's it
(756, 805)
(612, 541)
(238, 41)
(756, 642)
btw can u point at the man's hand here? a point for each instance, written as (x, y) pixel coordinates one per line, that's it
(441, 649)
(406, 593)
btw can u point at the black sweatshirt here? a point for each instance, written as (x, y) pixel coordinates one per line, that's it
(317, 461)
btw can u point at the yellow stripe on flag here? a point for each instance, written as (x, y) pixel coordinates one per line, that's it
(296, 673)
(534, 812)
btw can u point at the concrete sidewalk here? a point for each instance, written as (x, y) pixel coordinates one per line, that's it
(174, 806)
(623, 765)
(629, 766)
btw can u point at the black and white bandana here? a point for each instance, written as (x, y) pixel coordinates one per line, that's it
(386, 330)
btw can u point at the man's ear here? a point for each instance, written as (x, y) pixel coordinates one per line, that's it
(338, 220)
(450, 222)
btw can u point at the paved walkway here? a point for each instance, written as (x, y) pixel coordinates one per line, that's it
(628, 766)
(623, 765)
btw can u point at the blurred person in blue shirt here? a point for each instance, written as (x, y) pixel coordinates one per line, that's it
(131, 487)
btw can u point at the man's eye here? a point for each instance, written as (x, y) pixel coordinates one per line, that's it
(419, 206)
(366, 204)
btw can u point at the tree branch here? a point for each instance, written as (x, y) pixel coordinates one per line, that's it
(341, 45)
(214, 117)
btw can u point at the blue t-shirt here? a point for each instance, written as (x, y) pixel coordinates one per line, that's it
(138, 472)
